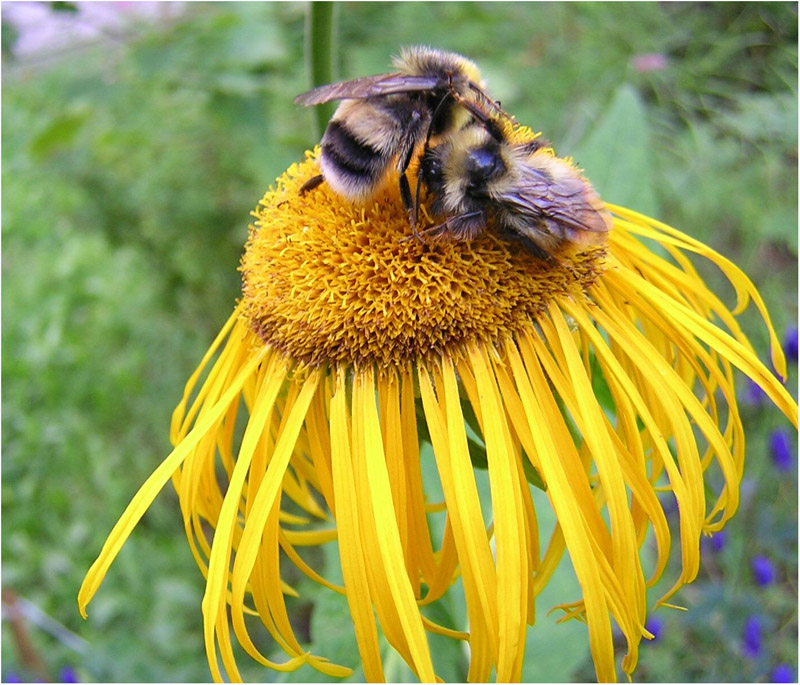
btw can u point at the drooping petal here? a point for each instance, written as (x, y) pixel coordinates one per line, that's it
(397, 609)
(351, 550)
(512, 571)
(562, 471)
(446, 425)
(215, 598)
(153, 485)
(745, 290)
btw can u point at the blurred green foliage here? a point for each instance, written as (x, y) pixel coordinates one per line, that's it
(129, 170)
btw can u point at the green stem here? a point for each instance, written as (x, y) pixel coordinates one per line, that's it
(320, 48)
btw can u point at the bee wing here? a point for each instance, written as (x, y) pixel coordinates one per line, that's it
(368, 87)
(568, 200)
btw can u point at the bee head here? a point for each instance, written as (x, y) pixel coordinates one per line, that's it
(482, 165)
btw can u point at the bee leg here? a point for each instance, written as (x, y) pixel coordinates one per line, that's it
(408, 204)
(466, 226)
(310, 184)
(491, 126)
(527, 244)
(535, 145)
(405, 189)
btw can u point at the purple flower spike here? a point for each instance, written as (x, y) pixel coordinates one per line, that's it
(669, 504)
(763, 570)
(68, 675)
(782, 673)
(751, 637)
(714, 544)
(753, 394)
(781, 447)
(790, 343)
(655, 624)
(718, 540)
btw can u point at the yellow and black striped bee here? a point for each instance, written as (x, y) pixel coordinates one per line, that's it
(384, 119)
(476, 177)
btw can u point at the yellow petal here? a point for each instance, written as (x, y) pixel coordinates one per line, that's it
(351, 551)
(153, 485)
(392, 575)
(555, 452)
(743, 285)
(262, 520)
(513, 573)
(446, 426)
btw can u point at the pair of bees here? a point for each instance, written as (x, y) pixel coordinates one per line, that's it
(476, 175)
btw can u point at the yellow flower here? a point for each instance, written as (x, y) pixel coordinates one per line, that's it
(604, 376)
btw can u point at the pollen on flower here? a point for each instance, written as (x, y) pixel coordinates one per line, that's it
(327, 281)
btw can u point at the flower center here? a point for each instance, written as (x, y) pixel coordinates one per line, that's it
(327, 281)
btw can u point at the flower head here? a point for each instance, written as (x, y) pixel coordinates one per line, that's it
(655, 624)
(753, 394)
(67, 674)
(790, 343)
(782, 673)
(763, 570)
(751, 637)
(591, 374)
(716, 542)
(780, 443)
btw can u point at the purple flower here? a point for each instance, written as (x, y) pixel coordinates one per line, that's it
(715, 543)
(753, 394)
(781, 447)
(68, 675)
(669, 504)
(718, 540)
(655, 625)
(751, 637)
(11, 677)
(763, 570)
(782, 673)
(790, 343)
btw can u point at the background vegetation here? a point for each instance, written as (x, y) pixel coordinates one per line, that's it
(130, 165)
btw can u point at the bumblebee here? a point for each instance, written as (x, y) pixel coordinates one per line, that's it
(383, 119)
(476, 175)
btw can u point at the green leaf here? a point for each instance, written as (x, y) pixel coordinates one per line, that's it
(332, 632)
(780, 223)
(449, 655)
(762, 117)
(60, 132)
(616, 155)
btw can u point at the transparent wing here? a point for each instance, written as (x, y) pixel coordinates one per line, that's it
(368, 87)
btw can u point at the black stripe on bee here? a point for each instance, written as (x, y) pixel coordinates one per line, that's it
(350, 155)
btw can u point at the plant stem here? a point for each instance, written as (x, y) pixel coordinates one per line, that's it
(320, 48)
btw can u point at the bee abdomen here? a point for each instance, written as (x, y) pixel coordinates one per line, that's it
(351, 166)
